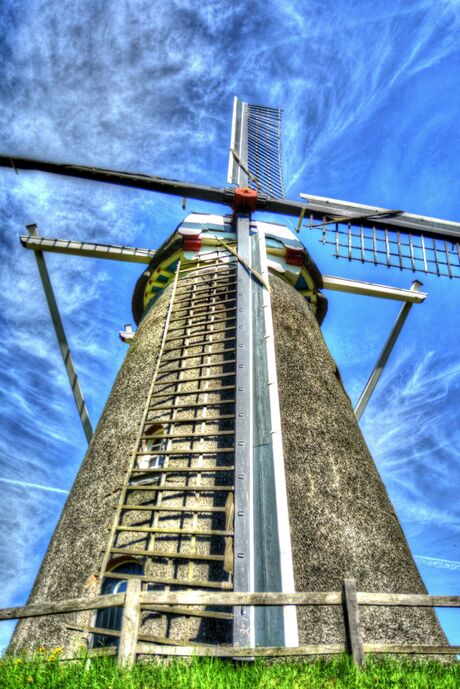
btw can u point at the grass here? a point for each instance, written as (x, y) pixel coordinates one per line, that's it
(44, 671)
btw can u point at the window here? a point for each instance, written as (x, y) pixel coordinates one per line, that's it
(110, 618)
(154, 444)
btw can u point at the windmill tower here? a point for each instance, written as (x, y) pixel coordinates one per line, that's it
(228, 455)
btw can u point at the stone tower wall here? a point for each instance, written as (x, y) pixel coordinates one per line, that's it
(342, 521)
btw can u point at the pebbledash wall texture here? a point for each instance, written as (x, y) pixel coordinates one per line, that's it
(341, 519)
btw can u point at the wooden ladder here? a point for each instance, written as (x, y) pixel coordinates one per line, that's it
(175, 510)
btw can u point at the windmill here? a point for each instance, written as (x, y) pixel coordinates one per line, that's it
(228, 455)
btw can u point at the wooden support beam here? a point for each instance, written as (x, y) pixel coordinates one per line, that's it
(419, 600)
(351, 617)
(130, 624)
(235, 652)
(234, 598)
(58, 607)
(411, 649)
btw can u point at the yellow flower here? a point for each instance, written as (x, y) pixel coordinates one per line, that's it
(41, 649)
(18, 661)
(30, 679)
(57, 650)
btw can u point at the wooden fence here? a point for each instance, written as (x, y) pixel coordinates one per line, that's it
(135, 601)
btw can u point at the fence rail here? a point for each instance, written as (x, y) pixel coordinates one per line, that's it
(135, 601)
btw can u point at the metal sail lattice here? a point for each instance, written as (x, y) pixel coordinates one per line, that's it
(264, 149)
(255, 150)
(393, 248)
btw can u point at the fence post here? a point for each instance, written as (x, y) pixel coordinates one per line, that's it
(351, 617)
(130, 624)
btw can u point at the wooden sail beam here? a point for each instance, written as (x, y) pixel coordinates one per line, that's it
(316, 206)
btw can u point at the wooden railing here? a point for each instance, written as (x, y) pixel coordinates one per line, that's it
(134, 601)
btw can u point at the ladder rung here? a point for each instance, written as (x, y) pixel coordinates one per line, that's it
(168, 508)
(221, 585)
(212, 290)
(199, 315)
(203, 343)
(178, 532)
(216, 262)
(192, 420)
(204, 451)
(206, 321)
(203, 262)
(170, 488)
(229, 350)
(199, 391)
(216, 376)
(191, 368)
(205, 306)
(192, 405)
(194, 299)
(207, 270)
(185, 470)
(175, 436)
(206, 284)
(201, 332)
(168, 554)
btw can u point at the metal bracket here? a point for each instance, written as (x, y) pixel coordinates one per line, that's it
(62, 339)
(384, 355)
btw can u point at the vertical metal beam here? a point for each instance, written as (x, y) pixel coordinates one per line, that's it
(274, 441)
(269, 627)
(243, 578)
(263, 556)
(384, 355)
(62, 340)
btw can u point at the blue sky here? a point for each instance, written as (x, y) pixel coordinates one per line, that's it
(371, 99)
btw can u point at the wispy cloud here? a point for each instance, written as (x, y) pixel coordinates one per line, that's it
(438, 563)
(38, 486)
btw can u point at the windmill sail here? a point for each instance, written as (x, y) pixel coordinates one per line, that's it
(385, 237)
(255, 152)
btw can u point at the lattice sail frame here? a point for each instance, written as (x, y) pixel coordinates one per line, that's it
(394, 249)
(255, 148)
(384, 237)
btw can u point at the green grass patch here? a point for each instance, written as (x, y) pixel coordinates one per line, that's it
(45, 671)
